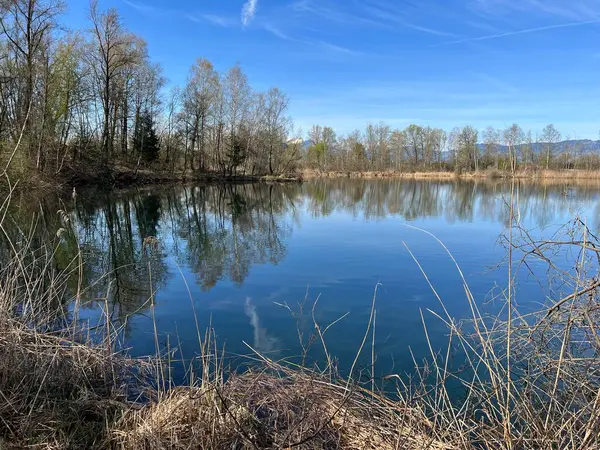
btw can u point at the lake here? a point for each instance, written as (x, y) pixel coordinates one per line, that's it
(251, 260)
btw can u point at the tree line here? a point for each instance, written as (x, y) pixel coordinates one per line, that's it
(379, 148)
(94, 96)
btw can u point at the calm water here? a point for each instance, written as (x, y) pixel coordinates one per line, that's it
(236, 254)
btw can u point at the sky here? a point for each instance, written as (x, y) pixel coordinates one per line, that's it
(345, 63)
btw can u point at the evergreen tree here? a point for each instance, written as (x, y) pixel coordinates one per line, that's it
(236, 154)
(145, 141)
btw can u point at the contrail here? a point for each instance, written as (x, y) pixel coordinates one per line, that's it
(514, 33)
(248, 11)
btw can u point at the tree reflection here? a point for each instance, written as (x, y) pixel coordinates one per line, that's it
(226, 230)
(131, 242)
(452, 200)
(218, 232)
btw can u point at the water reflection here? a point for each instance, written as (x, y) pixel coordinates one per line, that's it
(137, 238)
(263, 343)
(133, 242)
(223, 231)
(455, 200)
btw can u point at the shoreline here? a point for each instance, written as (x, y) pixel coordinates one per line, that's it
(119, 177)
(566, 175)
(122, 177)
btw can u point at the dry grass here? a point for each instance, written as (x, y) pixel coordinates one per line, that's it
(59, 394)
(268, 410)
(55, 393)
(569, 175)
(309, 173)
(531, 380)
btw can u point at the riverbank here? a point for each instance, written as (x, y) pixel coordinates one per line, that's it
(123, 176)
(566, 175)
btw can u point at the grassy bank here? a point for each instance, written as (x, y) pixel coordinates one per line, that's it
(566, 175)
(121, 176)
(528, 380)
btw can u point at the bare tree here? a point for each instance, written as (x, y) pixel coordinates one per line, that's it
(171, 141)
(276, 126)
(112, 51)
(27, 26)
(491, 142)
(199, 99)
(237, 97)
(513, 137)
(468, 150)
(397, 145)
(415, 142)
(550, 138)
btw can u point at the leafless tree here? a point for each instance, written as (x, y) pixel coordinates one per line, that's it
(112, 51)
(550, 138)
(513, 137)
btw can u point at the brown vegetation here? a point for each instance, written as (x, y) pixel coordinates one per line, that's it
(567, 175)
(59, 393)
(273, 408)
(56, 392)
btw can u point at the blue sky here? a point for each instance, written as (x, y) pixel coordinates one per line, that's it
(344, 63)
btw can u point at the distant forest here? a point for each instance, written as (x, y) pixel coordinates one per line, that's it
(93, 100)
(417, 147)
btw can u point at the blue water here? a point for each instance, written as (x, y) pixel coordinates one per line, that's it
(236, 255)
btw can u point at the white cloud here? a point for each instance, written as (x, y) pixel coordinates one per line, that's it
(580, 10)
(278, 33)
(337, 48)
(249, 11)
(140, 6)
(220, 21)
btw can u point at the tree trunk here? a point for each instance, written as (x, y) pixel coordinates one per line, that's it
(125, 125)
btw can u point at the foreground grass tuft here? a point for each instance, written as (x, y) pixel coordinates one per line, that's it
(261, 410)
(58, 394)
(54, 392)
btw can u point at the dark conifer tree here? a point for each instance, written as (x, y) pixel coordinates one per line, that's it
(145, 140)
